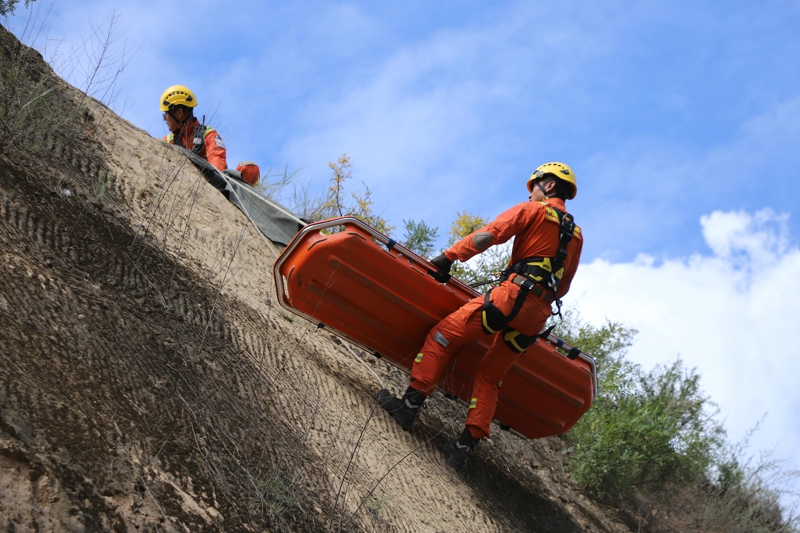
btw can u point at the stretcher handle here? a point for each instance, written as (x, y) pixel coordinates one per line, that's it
(578, 354)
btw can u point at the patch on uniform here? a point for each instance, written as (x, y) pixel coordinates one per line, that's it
(418, 358)
(438, 337)
(550, 214)
(473, 403)
(482, 240)
(218, 140)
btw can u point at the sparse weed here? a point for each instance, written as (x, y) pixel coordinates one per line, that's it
(177, 307)
(276, 495)
(39, 114)
(272, 184)
(101, 184)
(380, 506)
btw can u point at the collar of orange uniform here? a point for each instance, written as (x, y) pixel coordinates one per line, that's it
(558, 203)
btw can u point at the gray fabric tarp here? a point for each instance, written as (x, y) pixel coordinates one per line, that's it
(276, 222)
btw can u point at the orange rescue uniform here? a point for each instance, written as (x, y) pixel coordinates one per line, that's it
(213, 149)
(536, 234)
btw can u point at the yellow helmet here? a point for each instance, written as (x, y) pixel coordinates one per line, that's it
(560, 171)
(177, 95)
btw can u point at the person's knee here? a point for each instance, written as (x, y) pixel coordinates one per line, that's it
(428, 365)
(487, 384)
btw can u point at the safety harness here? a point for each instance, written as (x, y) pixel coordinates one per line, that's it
(539, 276)
(198, 143)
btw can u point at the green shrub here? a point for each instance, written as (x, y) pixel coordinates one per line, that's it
(654, 434)
(7, 7)
(420, 238)
(646, 430)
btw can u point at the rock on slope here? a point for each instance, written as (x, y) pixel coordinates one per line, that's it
(149, 382)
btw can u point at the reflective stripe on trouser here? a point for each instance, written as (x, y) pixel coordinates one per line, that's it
(464, 325)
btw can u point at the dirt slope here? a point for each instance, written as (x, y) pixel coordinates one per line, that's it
(149, 381)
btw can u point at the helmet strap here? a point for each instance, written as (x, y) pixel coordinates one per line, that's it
(541, 188)
(178, 133)
(180, 123)
(186, 111)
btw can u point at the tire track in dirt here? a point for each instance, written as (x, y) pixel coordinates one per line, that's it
(98, 354)
(380, 438)
(388, 438)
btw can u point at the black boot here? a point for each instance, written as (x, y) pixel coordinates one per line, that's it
(459, 450)
(403, 411)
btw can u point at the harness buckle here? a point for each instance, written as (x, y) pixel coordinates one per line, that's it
(526, 283)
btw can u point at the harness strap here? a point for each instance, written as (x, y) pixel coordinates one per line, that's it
(535, 275)
(516, 341)
(493, 319)
(547, 271)
(536, 290)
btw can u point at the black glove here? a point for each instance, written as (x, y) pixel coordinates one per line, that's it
(444, 265)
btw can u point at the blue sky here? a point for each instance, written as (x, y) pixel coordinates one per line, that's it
(681, 120)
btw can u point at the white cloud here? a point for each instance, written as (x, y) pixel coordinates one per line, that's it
(733, 315)
(760, 239)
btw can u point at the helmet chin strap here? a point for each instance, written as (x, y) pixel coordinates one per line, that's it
(180, 123)
(544, 192)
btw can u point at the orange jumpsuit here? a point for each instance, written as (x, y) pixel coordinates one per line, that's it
(536, 234)
(214, 148)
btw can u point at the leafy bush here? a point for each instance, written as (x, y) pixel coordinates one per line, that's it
(335, 203)
(655, 434)
(481, 271)
(420, 238)
(647, 429)
(7, 7)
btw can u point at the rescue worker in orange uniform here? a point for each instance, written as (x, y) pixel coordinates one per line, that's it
(544, 258)
(177, 105)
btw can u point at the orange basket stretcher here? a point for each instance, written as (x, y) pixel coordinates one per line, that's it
(348, 277)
